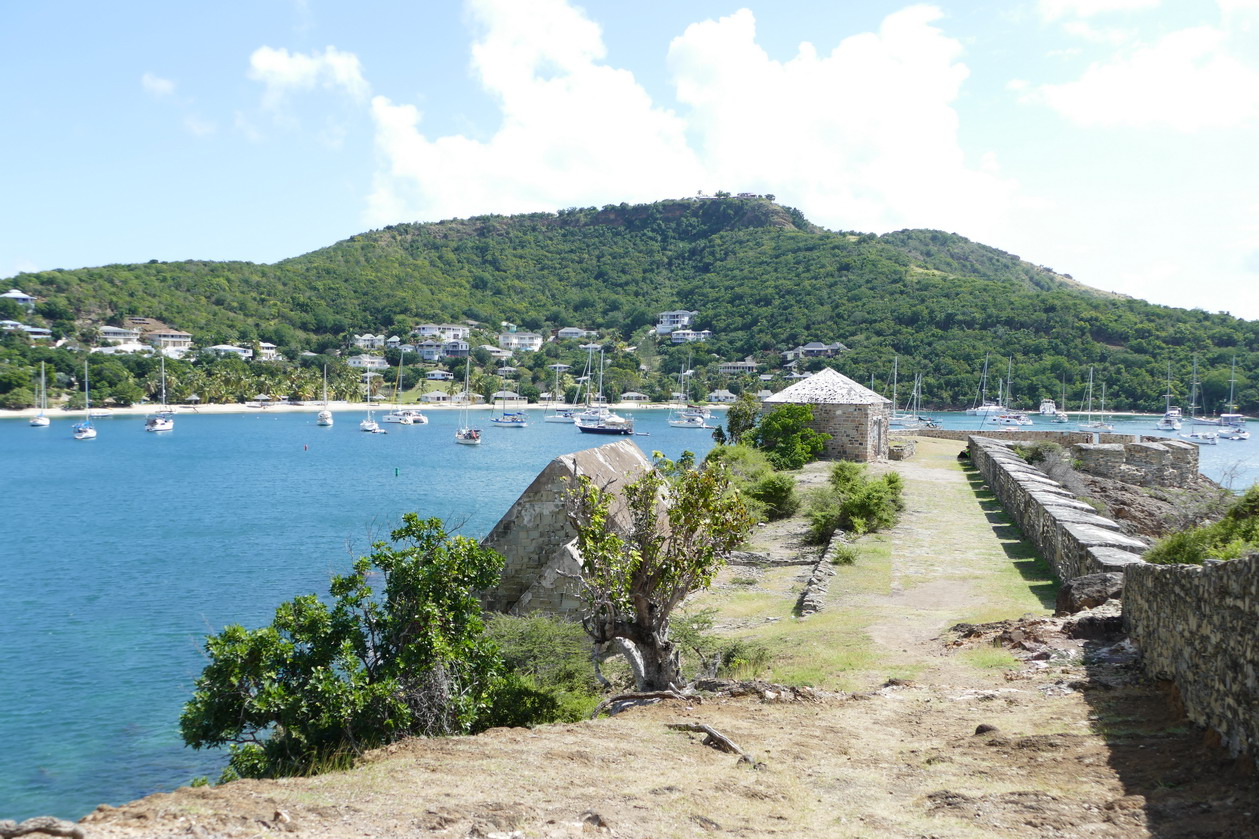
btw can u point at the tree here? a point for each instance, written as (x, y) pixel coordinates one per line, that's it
(741, 418)
(324, 682)
(682, 525)
(784, 434)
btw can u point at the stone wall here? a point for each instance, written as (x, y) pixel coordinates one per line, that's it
(1022, 435)
(1148, 462)
(536, 537)
(1199, 627)
(1066, 531)
(858, 432)
(1195, 625)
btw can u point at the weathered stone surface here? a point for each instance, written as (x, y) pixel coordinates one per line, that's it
(1089, 591)
(1146, 462)
(855, 417)
(536, 538)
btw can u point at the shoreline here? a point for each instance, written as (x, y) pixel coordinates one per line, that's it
(311, 408)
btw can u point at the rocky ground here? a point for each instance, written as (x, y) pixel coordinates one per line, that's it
(947, 701)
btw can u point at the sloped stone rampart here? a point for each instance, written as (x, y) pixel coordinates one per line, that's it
(536, 538)
(1146, 462)
(1072, 538)
(1199, 627)
(1195, 625)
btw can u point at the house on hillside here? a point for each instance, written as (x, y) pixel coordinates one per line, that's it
(855, 416)
(669, 321)
(814, 349)
(368, 341)
(19, 297)
(575, 332)
(367, 362)
(686, 336)
(523, 341)
(442, 331)
(737, 368)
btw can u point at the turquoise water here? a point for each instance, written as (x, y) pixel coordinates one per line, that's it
(118, 555)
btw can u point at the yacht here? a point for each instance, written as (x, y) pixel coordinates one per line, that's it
(40, 420)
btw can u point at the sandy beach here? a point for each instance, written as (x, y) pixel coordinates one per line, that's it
(309, 408)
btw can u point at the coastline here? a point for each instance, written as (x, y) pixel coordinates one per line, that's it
(309, 408)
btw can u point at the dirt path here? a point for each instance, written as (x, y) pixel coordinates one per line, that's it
(888, 748)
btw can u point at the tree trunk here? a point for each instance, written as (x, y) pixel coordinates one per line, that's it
(653, 661)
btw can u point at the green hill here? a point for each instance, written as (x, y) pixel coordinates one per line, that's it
(762, 278)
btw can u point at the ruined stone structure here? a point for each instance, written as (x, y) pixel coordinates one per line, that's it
(855, 416)
(536, 537)
(1150, 462)
(1195, 625)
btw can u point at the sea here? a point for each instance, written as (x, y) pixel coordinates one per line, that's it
(119, 555)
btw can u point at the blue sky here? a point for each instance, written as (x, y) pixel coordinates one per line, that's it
(1114, 140)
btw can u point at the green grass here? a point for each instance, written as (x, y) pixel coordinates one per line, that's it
(990, 658)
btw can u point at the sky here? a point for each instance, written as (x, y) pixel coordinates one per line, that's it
(1113, 140)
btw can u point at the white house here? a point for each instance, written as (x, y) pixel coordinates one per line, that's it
(508, 396)
(575, 332)
(267, 352)
(368, 341)
(439, 376)
(815, 349)
(455, 348)
(737, 368)
(497, 352)
(367, 362)
(436, 397)
(229, 349)
(429, 350)
(633, 396)
(167, 339)
(669, 321)
(119, 335)
(523, 341)
(686, 336)
(722, 396)
(20, 297)
(444, 331)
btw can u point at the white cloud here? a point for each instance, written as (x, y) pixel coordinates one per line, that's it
(156, 86)
(199, 127)
(1188, 80)
(573, 131)
(865, 136)
(1056, 9)
(282, 72)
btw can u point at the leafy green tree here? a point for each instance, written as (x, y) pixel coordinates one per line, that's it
(741, 417)
(682, 526)
(784, 434)
(325, 681)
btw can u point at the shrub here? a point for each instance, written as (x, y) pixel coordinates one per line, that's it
(854, 502)
(784, 434)
(550, 674)
(778, 494)
(1234, 536)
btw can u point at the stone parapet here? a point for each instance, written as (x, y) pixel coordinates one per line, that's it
(1146, 462)
(1199, 627)
(536, 538)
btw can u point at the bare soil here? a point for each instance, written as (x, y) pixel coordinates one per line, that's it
(946, 702)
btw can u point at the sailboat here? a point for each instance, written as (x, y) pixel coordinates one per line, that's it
(40, 420)
(85, 430)
(909, 420)
(1204, 438)
(683, 414)
(466, 435)
(1233, 420)
(400, 415)
(1061, 416)
(1171, 418)
(324, 417)
(555, 413)
(163, 420)
(503, 418)
(1009, 416)
(599, 419)
(1089, 423)
(983, 406)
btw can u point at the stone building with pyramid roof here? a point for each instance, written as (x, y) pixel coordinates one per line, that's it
(855, 416)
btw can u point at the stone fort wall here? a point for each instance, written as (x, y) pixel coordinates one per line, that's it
(1195, 625)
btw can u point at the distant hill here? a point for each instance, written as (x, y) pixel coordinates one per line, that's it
(762, 277)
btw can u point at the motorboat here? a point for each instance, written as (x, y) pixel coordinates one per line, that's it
(605, 423)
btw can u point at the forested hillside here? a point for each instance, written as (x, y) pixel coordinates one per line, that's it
(762, 278)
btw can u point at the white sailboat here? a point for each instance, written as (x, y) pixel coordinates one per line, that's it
(1089, 423)
(40, 420)
(465, 434)
(399, 415)
(163, 420)
(1171, 419)
(599, 419)
(684, 415)
(1195, 434)
(983, 406)
(324, 417)
(558, 412)
(1232, 419)
(85, 430)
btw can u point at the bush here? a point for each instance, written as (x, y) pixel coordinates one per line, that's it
(551, 677)
(778, 494)
(854, 502)
(734, 658)
(785, 436)
(1232, 537)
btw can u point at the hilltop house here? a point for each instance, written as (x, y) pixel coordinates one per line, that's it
(230, 349)
(523, 341)
(367, 362)
(20, 297)
(814, 349)
(686, 336)
(368, 341)
(855, 416)
(669, 321)
(119, 335)
(737, 368)
(575, 332)
(444, 331)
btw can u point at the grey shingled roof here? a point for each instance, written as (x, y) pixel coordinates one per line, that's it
(828, 387)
